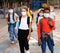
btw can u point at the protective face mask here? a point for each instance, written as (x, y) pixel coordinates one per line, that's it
(41, 14)
(52, 10)
(23, 13)
(11, 10)
(46, 15)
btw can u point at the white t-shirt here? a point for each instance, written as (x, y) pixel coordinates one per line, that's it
(11, 17)
(23, 24)
(52, 14)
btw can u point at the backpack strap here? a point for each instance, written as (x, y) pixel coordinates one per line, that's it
(20, 20)
(28, 21)
(13, 15)
(8, 17)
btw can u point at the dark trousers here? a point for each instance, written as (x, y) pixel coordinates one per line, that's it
(23, 42)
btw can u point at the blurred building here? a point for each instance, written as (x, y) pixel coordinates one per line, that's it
(44, 3)
(33, 4)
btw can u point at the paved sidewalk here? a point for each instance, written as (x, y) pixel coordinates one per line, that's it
(6, 47)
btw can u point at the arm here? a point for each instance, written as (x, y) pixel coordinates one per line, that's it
(30, 26)
(17, 25)
(54, 18)
(39, 34)
(16, 17)
(53, 22)
(38, 30)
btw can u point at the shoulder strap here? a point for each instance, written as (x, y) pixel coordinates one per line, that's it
(13, 15)
(28, 21)
(8, 17)
(19, 20)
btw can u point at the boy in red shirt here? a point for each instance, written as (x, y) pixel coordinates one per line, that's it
(45, 27)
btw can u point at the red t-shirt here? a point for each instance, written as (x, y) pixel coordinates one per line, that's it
(45, 26)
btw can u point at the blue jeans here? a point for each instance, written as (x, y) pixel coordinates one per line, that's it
(12, 32)
(49, 43)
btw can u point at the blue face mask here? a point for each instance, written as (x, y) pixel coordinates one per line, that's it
(46, 15)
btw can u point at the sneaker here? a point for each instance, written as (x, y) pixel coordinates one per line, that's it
(27, 51)
(12, 42)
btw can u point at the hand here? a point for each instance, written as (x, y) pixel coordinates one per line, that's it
(8, 22)
(16, 28)
(39, 41)
(50, 23)
(28, 37)
(45, 36)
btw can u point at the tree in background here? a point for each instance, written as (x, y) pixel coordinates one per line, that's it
(12, 3)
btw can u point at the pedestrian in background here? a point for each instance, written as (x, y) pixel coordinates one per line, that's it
(52, 12)
(39, 15)
(11, 20)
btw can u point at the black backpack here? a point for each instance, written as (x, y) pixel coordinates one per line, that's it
(28, 20)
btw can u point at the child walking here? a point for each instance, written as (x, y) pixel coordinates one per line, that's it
(24, 30)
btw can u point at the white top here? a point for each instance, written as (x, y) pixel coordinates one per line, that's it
(11, 17)
(52, 14)
(23, 24)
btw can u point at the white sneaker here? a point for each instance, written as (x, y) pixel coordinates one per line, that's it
(12, 42)
(27, 51)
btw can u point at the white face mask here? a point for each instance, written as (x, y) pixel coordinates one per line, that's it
(41, 14)
(46, 15)
(23, 13)
(11, 10)
(52, 10)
